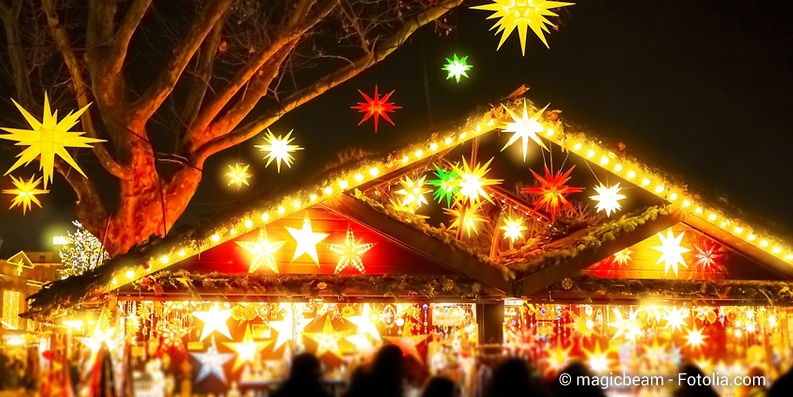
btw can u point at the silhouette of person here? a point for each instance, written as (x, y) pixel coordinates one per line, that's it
(513, 378)
(439, 386)
(304, 378)
(575, 370)
(691, 389)
(783, 386)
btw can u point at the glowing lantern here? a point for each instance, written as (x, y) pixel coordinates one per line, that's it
(350, 252)
(263, 251)
(513, 229)
(238, 175)
(457, 67)
(446, 185)
(671, 251)
(214, 320)
(413, 192)
(466, 217)
(472, 181)
(523, 15)
(377, 107)
(25, 193)
(306, 240)
(553, 191)
(279, 149)
(524, 128)
(608, 198)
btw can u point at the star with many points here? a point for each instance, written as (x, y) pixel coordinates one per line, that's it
(523, 15)
(376, 107)
(457, 67)
(525, 128)
(553, 191)
(25, 193)
(671, 251)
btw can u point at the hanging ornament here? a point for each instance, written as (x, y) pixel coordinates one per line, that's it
(525, 128)
(630, 327)
(598, 359)
(553, 191)
(365, 323)
(557, 357)
(513, 229)
(212, 362)
(522, 14)
(263, 251)
(279, 149)
(671, 251)
(377, 107)
(467, 217)
(306, 240)
(238, 175)
(214, 320)
(247, 350)
(608, 198)
(706, 255)
(284, 328)
(695, 338)
(412, 192)
(472, 181)
(675, 319)
(457, 67)
(25, 193)
(446, 185)
(350, 252)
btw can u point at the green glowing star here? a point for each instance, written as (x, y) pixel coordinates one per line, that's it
(457, 67)
(445, 184)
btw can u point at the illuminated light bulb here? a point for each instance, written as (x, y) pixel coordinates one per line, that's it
(312, 197)
(233, 231)
(434, 146)
(215, 238)
(673, 196)
(374, 171)
(343, 184)
(789, 257)
(577, 146)
(698, 210)
(645, 182)
(248, 223)
(618, 168)
(405, 159)
(181, 253)
(478, 128)
(115, 281)
(738, 230)
(491, 123)
(358, 177)
(686, 203)
(751, 237)
(463, 135)
(590, 153)
(604, 160)
(281, 210)
(724, 223)
(265, 217)
(631, 174)
(419, 153)
(589, 324)
(712, 217)
(165, 259)
(447, 141)
(296, 203)
(328, 190)
(549, 132)
(659, 188)
(130, 274)
(764, 243)
(776, 250)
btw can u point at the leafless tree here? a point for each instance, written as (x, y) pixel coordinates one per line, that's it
(175, 82)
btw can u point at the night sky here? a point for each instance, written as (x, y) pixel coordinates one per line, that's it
(700, 89)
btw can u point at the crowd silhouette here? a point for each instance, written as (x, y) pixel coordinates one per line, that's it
(387, 376)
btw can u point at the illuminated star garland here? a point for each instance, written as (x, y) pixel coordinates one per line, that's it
(263, 251)
(553, 191)
(446, 185)
(47, 138)
(350, 252)
(671, 251)
(607, 198)
(524, 128)
(523, 15)
(457, 67)
(238, 175)
(377, 107)
(25, 193)
(279, 149)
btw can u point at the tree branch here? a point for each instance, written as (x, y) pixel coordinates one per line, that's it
(323, 84)
(150, 101)
(202, 75)
(9, 13)
(61, 39)
(120, 45)
(90, 210)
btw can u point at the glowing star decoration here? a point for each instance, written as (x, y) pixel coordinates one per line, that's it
(558, 358)
(284, 327)
(581, 324)
(656, 352)
(48, 138)
(279, 149)
(608, 198)
(212, 363)
(675, 318)
(214, 320)
(622, 257)
(446, 185)
(523, 15)
(524, 128)
(262, 251)
(238, 175)
(553, 191)
(25, 193)
(366, 327)
(472, 181)
(468, 218)
(630, 327)
(247, 350)
(671, 251)
(306, 240)
(695, 338)
(350, 252)
(377, 107)
(513, 229)
(706, 255)
(598, 359)
(457, 67)
(412, 192)
(408, 345)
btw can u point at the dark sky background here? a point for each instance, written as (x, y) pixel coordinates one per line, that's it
(700, 89)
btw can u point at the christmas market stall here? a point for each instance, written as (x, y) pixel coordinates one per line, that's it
(513, 232)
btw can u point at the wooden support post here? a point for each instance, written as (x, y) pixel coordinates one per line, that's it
(490, 323)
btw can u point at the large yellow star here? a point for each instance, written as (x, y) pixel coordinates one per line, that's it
(25, 192)
(247, 350)
(412, 192)
(675, 318)
(366, 327)
(522, 14)
(472, 181)
(524, 128)
(350, 252)
(306, 240)
(263, 251)
(214, 320)
(278, 149)
(671, 251)
(284, 328)
(48, 138)
(238, 175)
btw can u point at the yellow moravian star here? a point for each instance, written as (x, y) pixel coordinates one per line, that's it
(522, 14)
(25, 193)
(48, 138)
